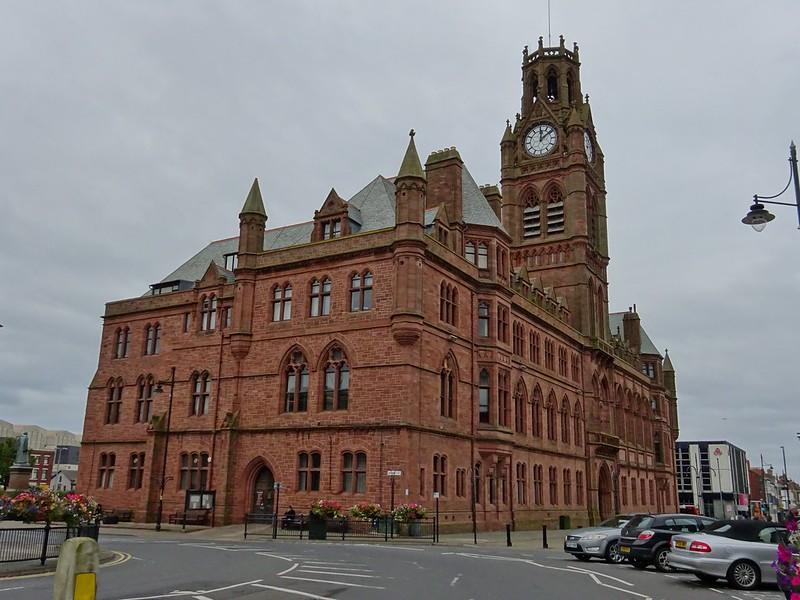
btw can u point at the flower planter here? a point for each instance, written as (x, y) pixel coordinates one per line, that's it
(317, 528)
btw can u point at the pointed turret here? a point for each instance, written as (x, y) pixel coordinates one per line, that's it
(410, 189)
(669, 375)
(252, 220)
(508, 134)
(667, 362)
(254, 205)
(411, 167)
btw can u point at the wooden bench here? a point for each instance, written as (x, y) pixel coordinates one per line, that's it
(193, 516)
(115, 515)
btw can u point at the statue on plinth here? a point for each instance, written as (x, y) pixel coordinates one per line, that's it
(22, 450)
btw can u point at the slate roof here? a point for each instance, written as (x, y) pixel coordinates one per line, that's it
(615, 324)
(370, 209)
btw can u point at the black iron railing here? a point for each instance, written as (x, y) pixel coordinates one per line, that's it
(379, 529)
(19, 544)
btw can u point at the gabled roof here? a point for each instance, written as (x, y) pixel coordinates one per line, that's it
(474, 204)
(615, 324)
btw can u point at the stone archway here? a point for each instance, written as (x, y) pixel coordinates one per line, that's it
(604, 493)
(261, 498)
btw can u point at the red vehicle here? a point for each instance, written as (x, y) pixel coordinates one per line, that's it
(689, 509)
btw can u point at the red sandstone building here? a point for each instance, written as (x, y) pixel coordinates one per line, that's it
(427, 325)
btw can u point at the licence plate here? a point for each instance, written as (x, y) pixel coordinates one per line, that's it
(680, 544)
(624, 549)
(572, 544)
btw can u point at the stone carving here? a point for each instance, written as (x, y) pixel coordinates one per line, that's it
(22, 450)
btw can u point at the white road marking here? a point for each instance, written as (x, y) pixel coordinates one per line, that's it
(308, 564)
(11, 589)
(715, 590)
(288, 591)
(673, 577)
(617, 579)
(229, 587)
(338, 562)
(455, 580)
(289, 570)
(339, 574)
(275, 556)
(347, 583)
(736, 598)
(202, 598)
(613, 587)
(390, 547)
(136, 558)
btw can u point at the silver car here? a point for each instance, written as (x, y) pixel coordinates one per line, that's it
(739, 551)
(599, 542)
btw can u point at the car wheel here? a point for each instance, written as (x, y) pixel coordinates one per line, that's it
(744, 575)
(705, 578)
(661, 560)
(638, 563)
(583, 557)
(612, 553)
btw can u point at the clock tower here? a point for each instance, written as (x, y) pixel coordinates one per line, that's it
(554, 195)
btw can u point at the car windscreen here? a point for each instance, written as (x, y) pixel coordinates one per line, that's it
(615, 522)
(640, 522)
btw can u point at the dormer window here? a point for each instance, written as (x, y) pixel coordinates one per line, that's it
(331, 229)
(231, 261)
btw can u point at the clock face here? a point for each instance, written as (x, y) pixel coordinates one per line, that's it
(541, 139)
(587, 145)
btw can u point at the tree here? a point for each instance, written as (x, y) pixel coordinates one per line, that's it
(8, 452)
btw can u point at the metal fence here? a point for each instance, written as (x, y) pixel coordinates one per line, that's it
(19, 544)
(344, 528)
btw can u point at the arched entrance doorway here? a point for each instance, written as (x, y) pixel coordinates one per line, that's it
(263, 490)
(604, 492)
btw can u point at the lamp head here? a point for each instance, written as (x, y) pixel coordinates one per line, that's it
(758, 217)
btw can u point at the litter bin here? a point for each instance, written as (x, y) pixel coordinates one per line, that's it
(563, 522)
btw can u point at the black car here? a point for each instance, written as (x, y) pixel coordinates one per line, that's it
(646, 539)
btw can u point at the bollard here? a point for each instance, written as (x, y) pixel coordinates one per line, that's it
(75, 577)
(508, 534)
(544, 537)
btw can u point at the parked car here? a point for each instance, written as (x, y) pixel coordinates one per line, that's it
(740, 551)
(601, 541)
(645, 540)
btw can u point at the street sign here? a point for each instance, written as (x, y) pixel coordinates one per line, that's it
(394, 473)
(435, 495)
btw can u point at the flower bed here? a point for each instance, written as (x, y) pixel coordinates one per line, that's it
(326, 509)
(409, 512)
(48, 506)
(366, 511)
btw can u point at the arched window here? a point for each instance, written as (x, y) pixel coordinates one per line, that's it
(296, 387)
(623, 486)
(553, 478)
(577, 426)
(122, 342)
(579, 487)
(194, 471)
(502, 323)
(519, 407)
(477, 483)
(136, 470)
(483, 256)
(483, 319)
(570, 88)
(549, 354)
(562, 361)
(503, 393)
(447, 389)
(532, 216)
(633, 492)
(440, 474)
(144, 401)
(105, 473)
(361, 291)
(308, 471)
(576, 374)
(551, 418)
(555, 210)
(320, 297)
(448, 303)
(354, 473)
(534, 88)
(336, 388)
(536, 412)
(201, 393)
(552, 85)
(518, 336)
(643, 491)
(208, 313)
(522, 483)
(114, 401)
(535, 350)
(469, 252)
(538, 485)
(282, 302)
(565, 420)
(152, 339)
(567, 487)
(484, 396)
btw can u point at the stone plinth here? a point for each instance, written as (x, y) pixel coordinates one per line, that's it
(19, 478)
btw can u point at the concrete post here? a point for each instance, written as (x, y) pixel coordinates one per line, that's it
(75, 577)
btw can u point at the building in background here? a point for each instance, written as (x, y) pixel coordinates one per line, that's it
(40, 438)
(712, 478)
(64, 481)
(42, 462)
(766, 496)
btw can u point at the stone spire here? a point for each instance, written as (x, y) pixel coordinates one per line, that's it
(667, 362)
(411, 167)
(254, 205)
(508, 135)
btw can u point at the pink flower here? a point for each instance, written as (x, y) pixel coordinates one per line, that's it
(784, 554)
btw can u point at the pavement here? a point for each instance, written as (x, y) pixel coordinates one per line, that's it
(172, 565)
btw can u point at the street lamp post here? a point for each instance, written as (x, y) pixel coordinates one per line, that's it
(159, 389)
(758, 216)
(785, 478)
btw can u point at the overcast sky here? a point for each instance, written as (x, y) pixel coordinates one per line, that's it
(131, 133)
